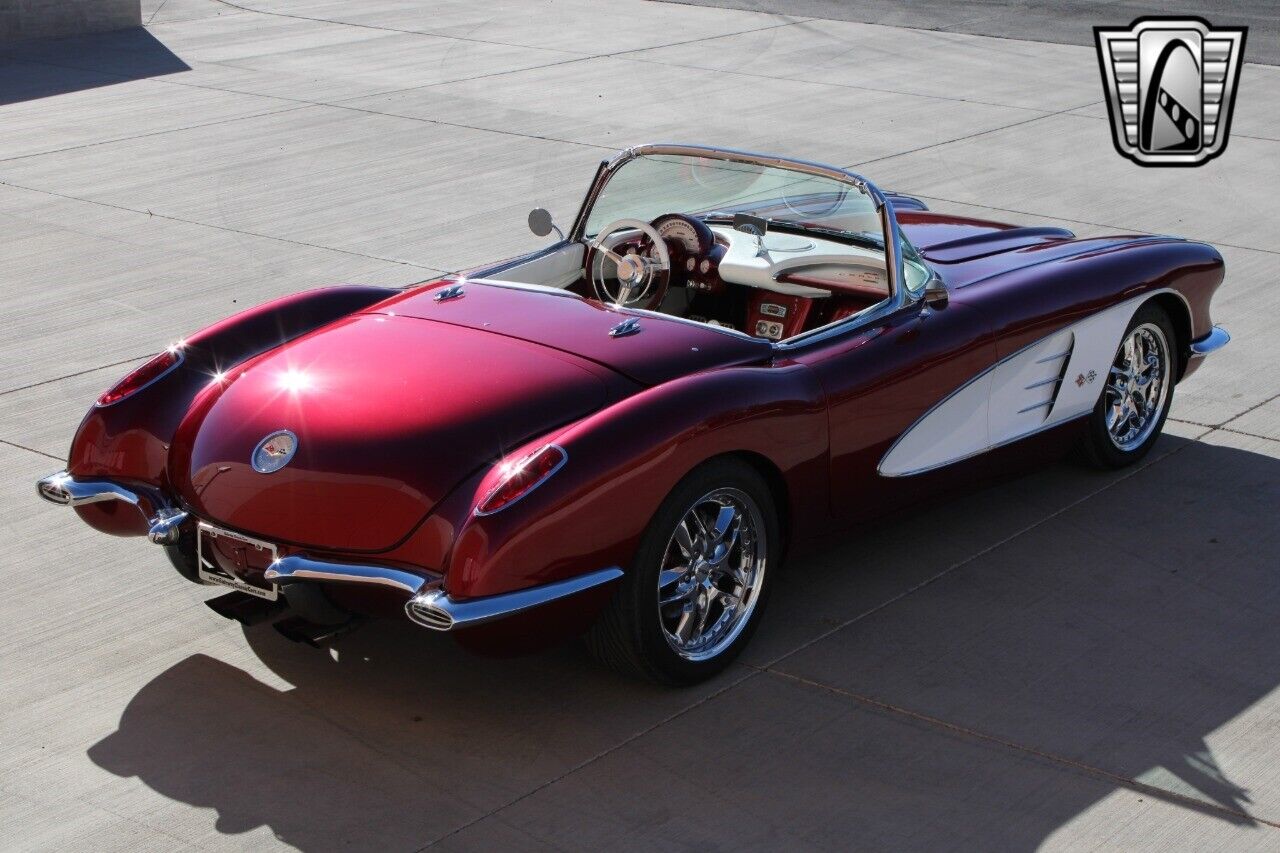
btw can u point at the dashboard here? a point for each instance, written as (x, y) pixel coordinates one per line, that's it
(772, 287)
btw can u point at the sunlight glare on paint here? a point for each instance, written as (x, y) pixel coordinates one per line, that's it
(294, 381)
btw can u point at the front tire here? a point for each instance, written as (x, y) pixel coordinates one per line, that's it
(1133, 406)
(698, 585)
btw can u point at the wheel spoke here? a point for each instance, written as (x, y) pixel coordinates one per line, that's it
(683, 540)
(670, 576)
(724, 518)
(676, 597)
(702, 530)
(704, 610)
(684, 628)
(608, 253)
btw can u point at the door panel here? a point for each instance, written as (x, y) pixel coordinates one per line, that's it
(881, 380)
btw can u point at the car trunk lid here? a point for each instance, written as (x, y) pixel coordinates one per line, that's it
(390, 414)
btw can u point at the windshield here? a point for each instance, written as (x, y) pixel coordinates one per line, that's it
(714, 189)
(654, 184)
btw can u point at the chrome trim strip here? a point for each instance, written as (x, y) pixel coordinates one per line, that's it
(723, 330)
(642, 312)
(1054, 357)
(300, 568)
(519, 285)
(1212, 342)
(1035, 406)
(436, 609)
(1052, 380)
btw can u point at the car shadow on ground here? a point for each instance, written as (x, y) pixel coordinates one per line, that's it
(395, 737)
(46, 67)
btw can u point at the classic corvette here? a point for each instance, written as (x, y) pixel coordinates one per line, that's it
(621, 433)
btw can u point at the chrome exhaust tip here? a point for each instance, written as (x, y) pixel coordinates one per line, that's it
(423, 610)
(54, 488)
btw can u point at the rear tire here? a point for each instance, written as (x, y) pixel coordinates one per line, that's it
(695, 592)
(1137, 396)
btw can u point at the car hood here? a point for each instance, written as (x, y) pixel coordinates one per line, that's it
(390, 414)
(969, 251)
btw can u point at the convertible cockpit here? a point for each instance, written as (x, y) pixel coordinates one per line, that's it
(764, 247)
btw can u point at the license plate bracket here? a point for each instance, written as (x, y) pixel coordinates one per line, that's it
(211, 573)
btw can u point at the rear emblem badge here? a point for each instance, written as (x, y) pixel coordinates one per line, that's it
(274, 451)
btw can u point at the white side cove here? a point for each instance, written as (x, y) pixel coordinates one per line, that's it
(1053, 380)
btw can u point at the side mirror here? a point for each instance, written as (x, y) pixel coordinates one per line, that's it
(541, 224)
(935, 294)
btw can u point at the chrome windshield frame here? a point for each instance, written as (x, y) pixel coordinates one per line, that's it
(899, 295)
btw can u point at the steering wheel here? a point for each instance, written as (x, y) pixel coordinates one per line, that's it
(639, 281)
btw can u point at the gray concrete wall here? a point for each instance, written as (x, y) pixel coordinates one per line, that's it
(28, 19)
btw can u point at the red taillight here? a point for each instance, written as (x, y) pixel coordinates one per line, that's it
(142, 377)
(522, 477)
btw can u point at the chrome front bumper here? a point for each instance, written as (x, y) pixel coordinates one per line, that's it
(1212, 342)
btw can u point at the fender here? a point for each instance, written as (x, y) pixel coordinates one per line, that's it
(1056, 336)
(129, 440)
(624, 460)
(1025, 305)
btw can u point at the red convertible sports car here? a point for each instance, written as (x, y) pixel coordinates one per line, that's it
(621, 433)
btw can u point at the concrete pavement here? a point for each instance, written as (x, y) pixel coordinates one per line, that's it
(1063, 22)
(1066, 660)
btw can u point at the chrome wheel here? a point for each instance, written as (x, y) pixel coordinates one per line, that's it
(712, 573)
(1138, 387)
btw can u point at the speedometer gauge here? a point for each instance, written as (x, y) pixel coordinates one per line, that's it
(677, 231)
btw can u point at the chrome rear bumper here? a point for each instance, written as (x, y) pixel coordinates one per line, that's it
(428, 605)
(299, 568)
(61, 488)
(435, 609)
(1212, 342)
(162, 517)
